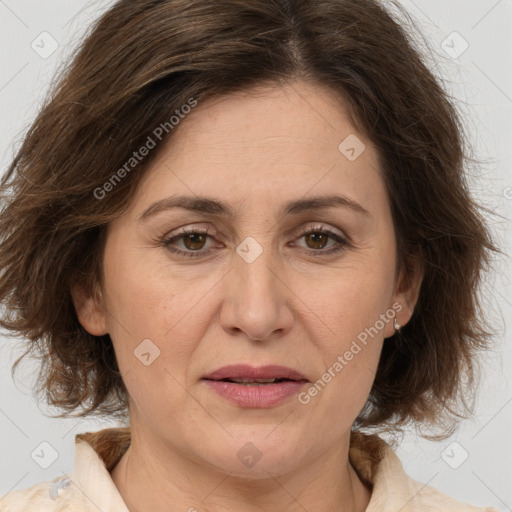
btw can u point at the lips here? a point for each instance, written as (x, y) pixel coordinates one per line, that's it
(242, 373)
(262, 387)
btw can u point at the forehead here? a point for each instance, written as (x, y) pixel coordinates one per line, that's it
(271, 119)
(267, 143)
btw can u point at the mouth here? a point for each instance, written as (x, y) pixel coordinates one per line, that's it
(257, 382)
(255, 387)
(246, 375)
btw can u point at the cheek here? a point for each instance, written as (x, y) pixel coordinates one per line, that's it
(154, 302)
(350, 357)
(348, 302)
(347, 323)
(145, 299)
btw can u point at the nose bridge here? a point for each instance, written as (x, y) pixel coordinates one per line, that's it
(258, 298)
(254, 268)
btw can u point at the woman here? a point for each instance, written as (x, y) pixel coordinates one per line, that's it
(245, 226)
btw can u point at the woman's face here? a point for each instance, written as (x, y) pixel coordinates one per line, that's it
(255, 289)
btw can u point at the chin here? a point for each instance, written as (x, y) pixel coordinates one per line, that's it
(254, 454)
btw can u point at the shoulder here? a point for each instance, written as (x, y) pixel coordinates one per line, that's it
(89, 486)
(44, 497)
(392, 489)
(416, 496)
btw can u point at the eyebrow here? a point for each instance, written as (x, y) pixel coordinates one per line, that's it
(208, 205)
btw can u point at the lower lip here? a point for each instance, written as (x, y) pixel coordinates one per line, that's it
(263, 396)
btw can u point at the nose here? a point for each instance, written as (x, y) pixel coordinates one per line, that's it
(258, 301)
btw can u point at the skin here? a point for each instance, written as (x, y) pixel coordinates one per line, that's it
(256, 151)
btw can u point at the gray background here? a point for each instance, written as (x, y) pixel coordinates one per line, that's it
(474, 465)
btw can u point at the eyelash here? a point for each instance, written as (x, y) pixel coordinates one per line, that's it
(342, 243)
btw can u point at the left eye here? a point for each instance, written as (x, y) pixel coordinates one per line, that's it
(194, 241)
(319, 237)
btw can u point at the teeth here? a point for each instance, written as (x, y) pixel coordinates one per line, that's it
(253, 381)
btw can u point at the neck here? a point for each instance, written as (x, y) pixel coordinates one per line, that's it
(152, 475)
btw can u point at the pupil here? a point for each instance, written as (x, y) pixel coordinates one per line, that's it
(194, 238)
(316, 241)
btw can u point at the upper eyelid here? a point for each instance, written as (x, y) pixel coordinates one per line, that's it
(331, 232)
(342, 242)
(212, 232)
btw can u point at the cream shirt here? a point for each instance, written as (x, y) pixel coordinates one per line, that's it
(89, 486)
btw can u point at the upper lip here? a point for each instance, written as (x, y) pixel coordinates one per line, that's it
(244, 371)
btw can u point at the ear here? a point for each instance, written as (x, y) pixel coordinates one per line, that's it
(90, 310)
(407, 292)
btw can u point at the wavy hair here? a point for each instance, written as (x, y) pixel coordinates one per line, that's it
(141, 61)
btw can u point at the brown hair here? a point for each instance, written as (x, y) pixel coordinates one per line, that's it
(143, 61)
